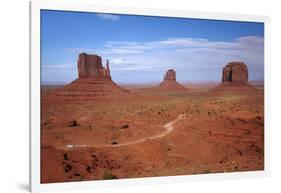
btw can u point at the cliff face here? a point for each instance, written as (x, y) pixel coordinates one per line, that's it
(235, 72)
(170, 75)
(90, 66)
(235, 79)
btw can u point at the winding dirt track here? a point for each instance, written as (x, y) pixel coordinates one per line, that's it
(169, 127)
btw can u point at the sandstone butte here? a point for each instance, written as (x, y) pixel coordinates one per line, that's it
(90, 66)
(170, 82)
(235, 78)
(94, 80)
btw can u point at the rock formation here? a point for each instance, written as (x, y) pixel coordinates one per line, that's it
(170, 84)
(235, 78)
(94, 80)
(170, 75)
(90, 66)
(235, 72)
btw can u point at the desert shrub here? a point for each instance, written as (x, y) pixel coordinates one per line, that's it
(67, 167)
(125, 126)
(207, 171)
(114, 142)
(109, 176)
(74, 123)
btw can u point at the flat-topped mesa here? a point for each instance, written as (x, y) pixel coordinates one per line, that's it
(170, 75)
(235, 79)
(235, 72)
(90, 66)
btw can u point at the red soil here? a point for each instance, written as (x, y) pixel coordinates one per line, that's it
(217, 133)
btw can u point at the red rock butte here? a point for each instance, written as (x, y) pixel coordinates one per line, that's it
(235, 72)
(90, 66)
(170, 75)
(94, 80)
(235, 78)
(170, 82)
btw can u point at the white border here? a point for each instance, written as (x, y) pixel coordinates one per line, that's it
(36, 6)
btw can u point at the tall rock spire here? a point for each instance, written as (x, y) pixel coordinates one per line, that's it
(107, 69)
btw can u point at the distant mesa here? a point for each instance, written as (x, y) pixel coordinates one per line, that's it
(170, 82)
(170, 75)
(94, 80)
(235, 78)
(235, 72)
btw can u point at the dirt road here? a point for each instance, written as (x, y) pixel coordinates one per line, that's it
(169, 127)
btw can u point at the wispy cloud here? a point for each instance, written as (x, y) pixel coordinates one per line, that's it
(182, 43)
(110, 17)
(192, 58)
(59, 66)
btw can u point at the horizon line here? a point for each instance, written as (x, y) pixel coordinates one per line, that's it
(51, 83)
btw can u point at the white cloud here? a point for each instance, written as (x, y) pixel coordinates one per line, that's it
(182, 43)
(192, 58)
(108, 16)
(59, 66)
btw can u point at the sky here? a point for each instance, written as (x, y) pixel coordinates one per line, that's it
(140, 49)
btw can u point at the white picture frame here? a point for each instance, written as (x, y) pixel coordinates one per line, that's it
(36, 6)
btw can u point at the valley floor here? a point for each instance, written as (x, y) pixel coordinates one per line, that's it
(198, 132)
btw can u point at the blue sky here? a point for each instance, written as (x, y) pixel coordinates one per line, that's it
(140, 48)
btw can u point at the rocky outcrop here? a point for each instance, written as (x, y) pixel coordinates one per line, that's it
(94, 81)
(90, 66)
(235, 79)
(170, 75)
(235, 72)
(170, 84)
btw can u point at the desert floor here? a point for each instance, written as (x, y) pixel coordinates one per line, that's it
(151, 133)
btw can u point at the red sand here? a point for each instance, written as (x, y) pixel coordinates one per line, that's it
(217, 133)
